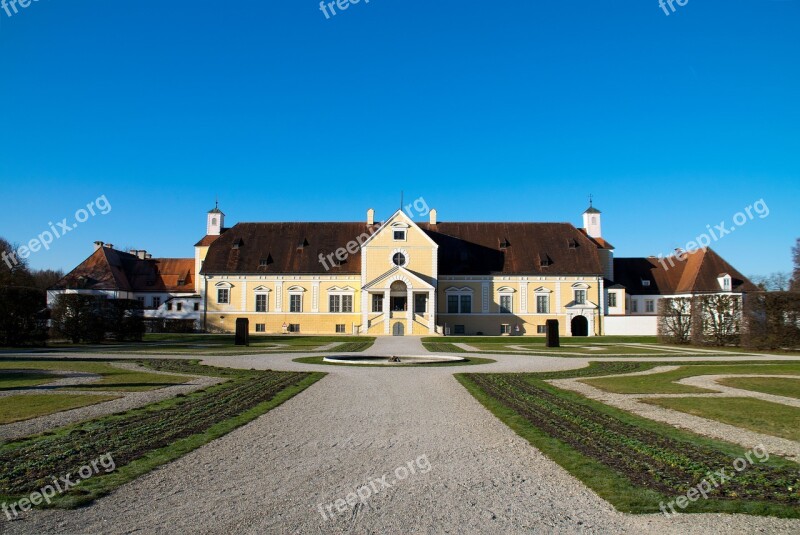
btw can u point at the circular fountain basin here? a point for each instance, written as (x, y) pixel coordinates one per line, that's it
(385, 361)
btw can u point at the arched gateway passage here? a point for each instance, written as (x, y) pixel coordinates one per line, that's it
(580, 326)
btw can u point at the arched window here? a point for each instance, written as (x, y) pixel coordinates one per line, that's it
(399, 259)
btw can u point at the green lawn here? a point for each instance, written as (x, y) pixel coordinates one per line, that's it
(753, 414)
(223, 344)
(142, 439)
(16, 379)
(632, 462)
(112, 378)
(21, 407)
(664, 383)
(789, 388)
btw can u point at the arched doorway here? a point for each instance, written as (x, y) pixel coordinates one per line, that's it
(398, 329)
(580, 326)
(398, 296)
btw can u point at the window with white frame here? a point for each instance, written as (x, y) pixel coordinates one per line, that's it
(261, 302)
(505, 328)
(399, 234)
(377, 302)
(459, 300)
(506, 304)
(156, 302)
(580, 297)
(612, 299)
(296, 303)
(542, 304)
(223, 296)
(649, 305)
(340, 303)
(541, 329)
(340, 328)
(261, 327)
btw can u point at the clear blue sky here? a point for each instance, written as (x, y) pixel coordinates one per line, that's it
(511, 110)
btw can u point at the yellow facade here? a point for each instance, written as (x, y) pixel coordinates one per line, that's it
(399, 291)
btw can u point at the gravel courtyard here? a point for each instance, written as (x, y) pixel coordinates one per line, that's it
(278, 473)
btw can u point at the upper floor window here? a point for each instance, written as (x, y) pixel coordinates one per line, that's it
(156, 302)
(459, 300)
(505, 304)
(634, 306)
(261, 302)
(580, 297)
(296, 303)
(399, 234)
(649, 306)
(377, 302)
(612, 299)
(223, 296)
(399, 259)
(340, 303)
(542, 304)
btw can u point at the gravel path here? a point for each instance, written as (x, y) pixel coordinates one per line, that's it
(127, 401)
(354, 426)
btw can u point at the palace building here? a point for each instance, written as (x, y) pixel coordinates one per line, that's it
(400, 277)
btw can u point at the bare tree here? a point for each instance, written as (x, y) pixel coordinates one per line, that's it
(674, 320)
(716, 319)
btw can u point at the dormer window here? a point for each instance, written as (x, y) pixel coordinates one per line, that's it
(646, 283)
(399, 235)
(724, 281)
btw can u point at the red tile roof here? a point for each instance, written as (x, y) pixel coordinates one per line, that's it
(464, 248)
(697, 273)
(110, 269)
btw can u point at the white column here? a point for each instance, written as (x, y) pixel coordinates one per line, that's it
(431, 311)
(410, 310)
(386, 312)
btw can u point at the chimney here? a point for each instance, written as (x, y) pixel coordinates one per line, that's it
(148, 256)
(110, 245)
(134, 252)
(370, 217)
(98, 244)
(141, 253)
(433, 216)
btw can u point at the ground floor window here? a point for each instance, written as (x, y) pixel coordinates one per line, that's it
(505, 304)
(541, 329)
(196, 307)
(458, 329)
(505, 328)
(340, 328)
(634, 306)
(178, 306)
(650, 306)
(294, 328)
(223, 296)
(261, 328)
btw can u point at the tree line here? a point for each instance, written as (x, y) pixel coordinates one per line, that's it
(26, 321)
